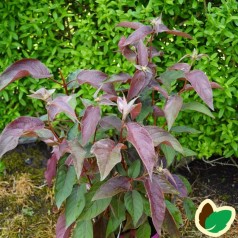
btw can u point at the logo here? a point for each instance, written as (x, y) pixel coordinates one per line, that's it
(214, 221)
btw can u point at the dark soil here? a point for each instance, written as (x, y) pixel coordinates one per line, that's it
(215, 181)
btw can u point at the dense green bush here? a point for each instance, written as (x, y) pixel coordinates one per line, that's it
(79, 34)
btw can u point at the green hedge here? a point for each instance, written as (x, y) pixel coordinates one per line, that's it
(73, 34)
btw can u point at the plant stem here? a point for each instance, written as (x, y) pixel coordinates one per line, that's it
(64, 82)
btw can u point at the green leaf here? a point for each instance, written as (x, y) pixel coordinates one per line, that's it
(174, 212)
(185, 129)
(169, 153)
(188, 152)
(94, 208)
(169, 76)
(217, 221)
(196, 106)
(186, 183)
(143, 231)
(134, 205)
(189, 208)
(83, 229)
(117, 215)
(65, 180)
(134, 169)
(75, 204)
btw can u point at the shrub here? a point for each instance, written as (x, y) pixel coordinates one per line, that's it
(81, 34)
(112, 169)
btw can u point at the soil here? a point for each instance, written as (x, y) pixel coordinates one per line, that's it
(27, 207)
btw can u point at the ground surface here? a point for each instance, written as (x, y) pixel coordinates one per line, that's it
(27, 207)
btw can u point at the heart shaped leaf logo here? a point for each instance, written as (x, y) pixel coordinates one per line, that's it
(213, 221)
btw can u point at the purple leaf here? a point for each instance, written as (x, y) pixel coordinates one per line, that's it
(78, 155)
(51, 169)
(139, 137)
(61, 230)
(172, 108)
(159, 136)
(133, 25)
(158, 88)
(164, 184)
(170, 225)
(95, 78)
(136, 111)
(138, 83)
(23, 68)
(126, 51)
(138, 34)
(89, 122)
(156, 236)
(157, 204)
(158, 112)
(42, 94)
(22, 126)
(180, 186)
(108, 154)
(108, 122)
(61, 104)
(122, 77)
(202, 86)
(179, 33)
(181, 66)
(112, 187)
(142, 54)
(215, 85)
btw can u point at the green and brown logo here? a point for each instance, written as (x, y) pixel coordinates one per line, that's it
(214, 221)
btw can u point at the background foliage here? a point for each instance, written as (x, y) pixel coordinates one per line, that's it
(81, 34)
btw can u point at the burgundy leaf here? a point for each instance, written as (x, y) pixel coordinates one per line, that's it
(108, 154)
(23, 68)
(61, 230)
(142, 54)
(138, 34)
(22, 126)
(158, 112)
(164, 184)
(202, 86)
(172, 108)
(42, 94)
(138, 83)
(51, 169)
(78, 155)
(155, 52)
(112, 187)
(121, 77)
(215, 85)
(157, 204)
(126, 51)
(158, 88)
(170, 225)
(139, 137)
(159, 136)
(136, 110)
(179, 33)
(133, 25)
(95, 78)
(61, 104)
(89, 122)
(181, 66)
(180, 186)
(108, 122)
